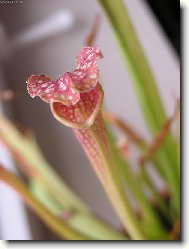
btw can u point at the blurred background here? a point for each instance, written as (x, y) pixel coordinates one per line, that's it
(44, 37)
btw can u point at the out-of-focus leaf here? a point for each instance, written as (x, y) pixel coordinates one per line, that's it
(124, 147)
(27, 152)
(90, 40)
(86, 224)
(149, 218)
(59, 227)
(132, 135)
(160, 137)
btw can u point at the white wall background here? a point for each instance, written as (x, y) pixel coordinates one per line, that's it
(56, 55)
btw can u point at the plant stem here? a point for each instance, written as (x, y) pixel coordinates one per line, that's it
(79, 221)
(141, 145)
(143, 177)
(97, 147)
(144, 84)
(62, 229)
(149, 217)
(139, 67)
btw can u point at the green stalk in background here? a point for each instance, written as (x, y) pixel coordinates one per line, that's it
(145, 87)
(61, 229)
(78, 221)
(148, 215)
(138, 65)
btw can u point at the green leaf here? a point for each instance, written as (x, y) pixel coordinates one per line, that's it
(79, 221)
(61, 228)
(145, 86)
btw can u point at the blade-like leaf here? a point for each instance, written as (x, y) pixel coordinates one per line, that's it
(90, 40)
(145, 86)
(61, 228)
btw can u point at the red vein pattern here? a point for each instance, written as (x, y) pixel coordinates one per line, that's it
(75, 100)
(76, 97)
(95, 143)
(82, 114)
(79, 107)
